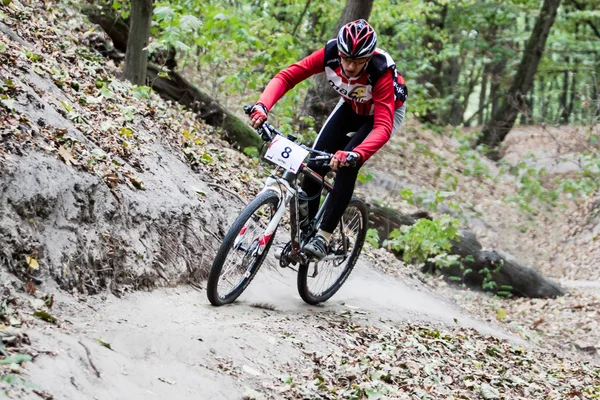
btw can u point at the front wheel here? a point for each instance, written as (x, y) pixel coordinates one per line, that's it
(243, 250)
(317, 282)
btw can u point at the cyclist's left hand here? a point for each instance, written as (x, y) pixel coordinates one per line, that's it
(343, 159)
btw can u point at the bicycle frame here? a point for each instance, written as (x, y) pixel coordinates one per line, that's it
(274, 183)
(290, 193)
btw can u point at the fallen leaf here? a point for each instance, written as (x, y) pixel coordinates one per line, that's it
(43, 315)
(489, 392)
(49, 300)
(32, 262)
(30, 287)
(537, 323)
(137, 183)
(501, 314)
(66, 156)
(165, 380)
(126, 132)
(104, 344)
(207, 158)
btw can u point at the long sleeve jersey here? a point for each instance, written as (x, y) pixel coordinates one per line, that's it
(377, 91)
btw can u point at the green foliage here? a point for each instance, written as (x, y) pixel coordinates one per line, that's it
(252, 152)
(471, 158)
(15, 359)
(172, 26)
(365, 176)
(429, 199)
(424, 239)
(234, 48)
(536, 188)
(142, 92)
(372, 238)
(489, 284)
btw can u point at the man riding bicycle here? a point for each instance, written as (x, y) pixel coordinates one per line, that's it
(370, 111)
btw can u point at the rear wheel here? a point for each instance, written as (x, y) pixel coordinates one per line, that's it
(317, 282)
(240, 255)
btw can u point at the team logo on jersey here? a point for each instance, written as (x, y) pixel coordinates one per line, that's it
(358, 93)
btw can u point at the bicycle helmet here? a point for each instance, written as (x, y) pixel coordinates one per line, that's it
(357, 39)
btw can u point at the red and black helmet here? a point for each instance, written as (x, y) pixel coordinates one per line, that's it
(357, 39)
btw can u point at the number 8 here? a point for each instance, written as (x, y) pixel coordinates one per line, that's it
(286, 152)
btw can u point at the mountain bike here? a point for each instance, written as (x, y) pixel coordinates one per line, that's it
(251, 235)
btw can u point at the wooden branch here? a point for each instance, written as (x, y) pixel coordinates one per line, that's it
(231, 192)
(114, 26)
(301, 18)
(176, 88)
(89, 356)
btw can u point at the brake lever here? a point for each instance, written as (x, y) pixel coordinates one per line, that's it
(352, 160)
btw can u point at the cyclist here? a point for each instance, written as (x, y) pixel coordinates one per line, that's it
(370, 110)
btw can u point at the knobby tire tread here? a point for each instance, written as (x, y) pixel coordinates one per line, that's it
(303, 269)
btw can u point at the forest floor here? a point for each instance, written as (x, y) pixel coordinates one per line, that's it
(391, 332)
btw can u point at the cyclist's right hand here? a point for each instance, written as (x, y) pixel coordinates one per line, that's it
(258, 115)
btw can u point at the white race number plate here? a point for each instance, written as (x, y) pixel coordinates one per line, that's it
(286, 153)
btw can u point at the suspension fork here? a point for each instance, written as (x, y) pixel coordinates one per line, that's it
(274, 185)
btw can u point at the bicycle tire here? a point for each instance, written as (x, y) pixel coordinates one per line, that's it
(212, 289)
(303, 270)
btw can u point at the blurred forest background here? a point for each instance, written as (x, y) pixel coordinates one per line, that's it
(459, 58)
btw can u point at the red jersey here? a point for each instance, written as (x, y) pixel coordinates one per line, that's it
(377, 91)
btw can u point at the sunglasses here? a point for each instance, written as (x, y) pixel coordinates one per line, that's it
(357, 61)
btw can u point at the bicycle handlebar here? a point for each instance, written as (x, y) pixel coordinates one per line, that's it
(268, 132)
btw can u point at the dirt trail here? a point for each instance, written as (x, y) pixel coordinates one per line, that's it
(171, 343)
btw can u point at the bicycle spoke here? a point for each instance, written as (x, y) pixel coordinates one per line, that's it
(330, 271)
(241, 258)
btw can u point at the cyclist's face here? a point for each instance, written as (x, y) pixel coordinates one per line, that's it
(353, 66)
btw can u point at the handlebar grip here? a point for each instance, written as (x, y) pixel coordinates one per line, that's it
(248, 110)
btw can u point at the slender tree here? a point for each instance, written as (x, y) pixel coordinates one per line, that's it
(136, 58)
(503, 120)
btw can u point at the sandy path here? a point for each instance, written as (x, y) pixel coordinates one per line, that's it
(171, 343)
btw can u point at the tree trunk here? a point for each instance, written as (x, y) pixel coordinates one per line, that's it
(321, 98)
(531, 104)
(562, 102)
(473, 79)
(573, 94)
(527, 111)
(495, 88)
(482, 95)
(118, 30)
(136, 58)
(451, 82)
(595, 96)
(547, 99)
(507, 274)
(502, 121)
(435, 21)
